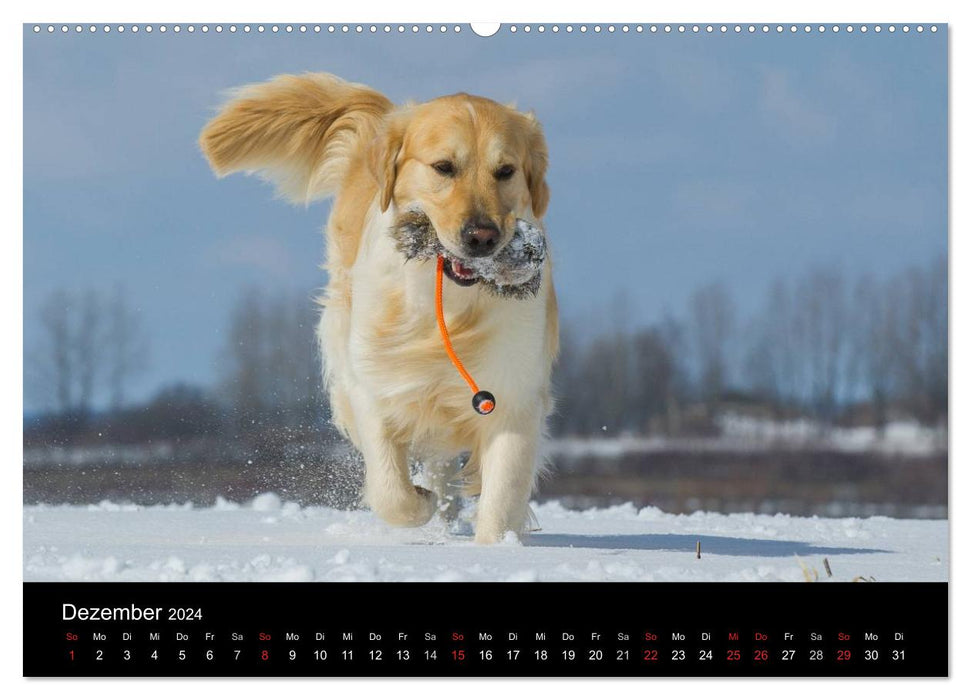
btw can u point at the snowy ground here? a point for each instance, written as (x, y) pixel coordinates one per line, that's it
(266, 540)
(740, 433)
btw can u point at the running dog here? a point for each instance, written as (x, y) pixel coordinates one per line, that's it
(463, 172)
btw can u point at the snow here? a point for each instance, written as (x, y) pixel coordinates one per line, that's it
(747, 434)
(739, 433)
(514, 271)
(897, 437)
(519, 261)
(270, 540)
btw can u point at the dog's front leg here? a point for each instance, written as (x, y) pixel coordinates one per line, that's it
(509, 460)
(387, 483)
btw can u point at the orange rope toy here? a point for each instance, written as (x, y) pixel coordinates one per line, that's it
(482, 401)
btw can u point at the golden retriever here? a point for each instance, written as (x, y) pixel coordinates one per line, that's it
(472, 168)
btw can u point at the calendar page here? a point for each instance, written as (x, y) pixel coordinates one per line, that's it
(605, 349)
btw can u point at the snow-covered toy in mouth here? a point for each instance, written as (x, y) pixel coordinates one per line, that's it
(515, 271)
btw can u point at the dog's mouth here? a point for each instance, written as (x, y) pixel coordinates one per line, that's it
(459, 273)
(514, 271)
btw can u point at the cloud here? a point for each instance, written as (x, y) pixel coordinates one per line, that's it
(622, 149)
(787, 109)
(895, 208)
(698, 80)
(713, 204)
(551, 83)
(264, 254)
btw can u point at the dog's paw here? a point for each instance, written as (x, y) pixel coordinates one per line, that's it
(409, 508)
(496, 537)
(486, 537)
(504, 528)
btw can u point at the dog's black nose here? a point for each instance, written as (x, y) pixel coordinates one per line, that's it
(480, 238)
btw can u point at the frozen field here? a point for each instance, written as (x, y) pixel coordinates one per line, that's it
(266, 540)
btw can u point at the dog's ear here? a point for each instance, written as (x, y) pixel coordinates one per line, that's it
(537, 158)
(299, 132)
(385, 150)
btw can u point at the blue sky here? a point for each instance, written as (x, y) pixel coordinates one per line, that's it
(675, 160)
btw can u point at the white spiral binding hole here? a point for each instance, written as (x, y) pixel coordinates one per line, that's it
(486, 30)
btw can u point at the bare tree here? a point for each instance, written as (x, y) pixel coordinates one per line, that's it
(652, 382)
(272, 373)
(821, 328)
(245, 371)
(712, 318)
(566, 378)
(605, 367)
(88, 342)
(874, 345)
(772, 366)
(621, 380)
(293, 376)
(55, 361)
(307, 380)
(672, 334)
(70, 360)
(920, 297)
(126, 345)
(937, 351)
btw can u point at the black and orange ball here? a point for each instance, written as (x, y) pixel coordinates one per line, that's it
(484, 403)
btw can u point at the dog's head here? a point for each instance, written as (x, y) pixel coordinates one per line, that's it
(459, 170)
(468, 165)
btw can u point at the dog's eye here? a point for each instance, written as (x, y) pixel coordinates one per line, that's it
(444, 167)
(505, 172)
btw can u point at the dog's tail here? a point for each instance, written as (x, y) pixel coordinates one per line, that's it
(299, 132)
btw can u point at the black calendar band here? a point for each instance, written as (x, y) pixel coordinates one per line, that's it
(485, 629)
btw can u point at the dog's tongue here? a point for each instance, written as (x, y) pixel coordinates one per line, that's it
(461, 270)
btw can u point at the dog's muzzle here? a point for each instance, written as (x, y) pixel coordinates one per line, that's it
(514, 271)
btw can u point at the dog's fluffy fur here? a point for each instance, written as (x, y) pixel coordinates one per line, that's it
(392, 389)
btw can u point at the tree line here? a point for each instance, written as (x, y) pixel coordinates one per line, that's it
(270, 367)
(91, 344)
(820, 346)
